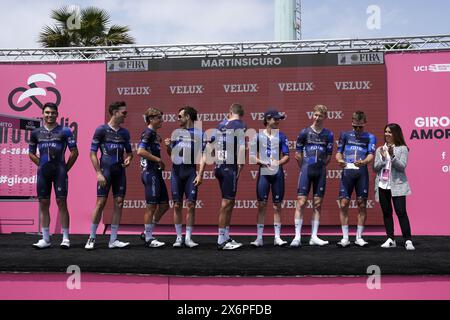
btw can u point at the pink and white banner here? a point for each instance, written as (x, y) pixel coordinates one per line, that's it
(418, 100)
(79, 91)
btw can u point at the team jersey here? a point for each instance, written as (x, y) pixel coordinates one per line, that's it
(52, 144)
(187, 149)
(315, 146)
(268, 147)
(228, 133)
(112, 144)
(150, 141)
(356, 147)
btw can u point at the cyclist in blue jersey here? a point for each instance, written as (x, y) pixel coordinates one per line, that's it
(185, 148)
(313, 152)
(156, 196)
(229, 148)
(355, 151)
(269, 149)
(113, 141)
(52, 141)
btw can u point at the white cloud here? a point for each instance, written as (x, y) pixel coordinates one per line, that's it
(209, 21)
(177, 21)
(23, 20)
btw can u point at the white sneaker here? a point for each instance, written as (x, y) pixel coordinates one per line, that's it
(153, 243)
(343, 243)
(65, 244)
(279, 242)
(409, 245)
(90, 244)
(178, 243)
(315, 241)
(257, 243)
(118, 244)
(229, 245)
(297, 242)
(389, 243)
(190, 244)
(41, 244)
(360, 242)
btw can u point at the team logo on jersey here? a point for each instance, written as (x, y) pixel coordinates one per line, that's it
(31, 92)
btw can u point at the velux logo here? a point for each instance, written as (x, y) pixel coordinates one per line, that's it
(353, 85)
(260, 115)
(191, 89)
(333, 115)
(296, 86)
(134, 91)
(240, 87)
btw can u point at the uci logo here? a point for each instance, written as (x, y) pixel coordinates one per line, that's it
(33, 91)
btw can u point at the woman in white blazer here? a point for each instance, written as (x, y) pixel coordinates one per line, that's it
(391, 184)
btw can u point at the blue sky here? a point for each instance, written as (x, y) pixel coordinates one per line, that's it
(211, 21)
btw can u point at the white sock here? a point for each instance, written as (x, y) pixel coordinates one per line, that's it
(114, 229)
(189, 232)
(46, 234)
(298, 228)
(179, 229)
(227, 232)
(65, 233)
(221, 239)
(359, 232)
(149, 231)
(315, 228)
(277, 227)
(345, 232)
(93, 230)
(259, 231)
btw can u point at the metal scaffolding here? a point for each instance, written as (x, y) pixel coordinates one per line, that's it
(298, 19)
(393, 44)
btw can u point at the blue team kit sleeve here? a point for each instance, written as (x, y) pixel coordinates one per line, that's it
(284, 144)
(33, 141)
(71, 143)
(98, 138)
(127, 141)
(330, 143)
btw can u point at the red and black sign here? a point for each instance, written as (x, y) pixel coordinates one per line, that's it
(293, 86)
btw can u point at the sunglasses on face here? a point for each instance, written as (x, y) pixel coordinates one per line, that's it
(124, 113)
(180, 116)
(357, 127)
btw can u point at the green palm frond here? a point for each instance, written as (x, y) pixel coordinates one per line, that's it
(118, 35)
(92, 29)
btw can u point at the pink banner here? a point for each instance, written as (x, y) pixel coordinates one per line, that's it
(418, 97)
(79, 90)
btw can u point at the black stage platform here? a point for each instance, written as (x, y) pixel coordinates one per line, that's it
(431, 257)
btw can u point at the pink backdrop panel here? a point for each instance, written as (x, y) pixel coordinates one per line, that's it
(81, 88)
(99, 286)
(418, 98)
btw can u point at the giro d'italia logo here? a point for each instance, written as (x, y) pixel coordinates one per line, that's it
(21, 98)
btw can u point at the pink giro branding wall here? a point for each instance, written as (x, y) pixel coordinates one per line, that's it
(418, 100)
(79, 90)
(417, 94)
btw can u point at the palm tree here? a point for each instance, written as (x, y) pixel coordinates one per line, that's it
(90, 29)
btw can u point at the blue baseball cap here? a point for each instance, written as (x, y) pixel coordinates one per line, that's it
(274, 114)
